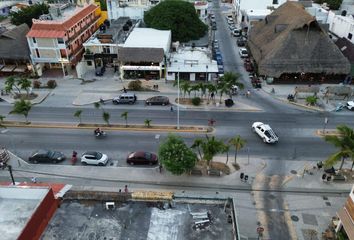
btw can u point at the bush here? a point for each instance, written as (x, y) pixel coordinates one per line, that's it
(51, 84)
(196, 101)
(36, 84)
(135, 85)
(311, 100)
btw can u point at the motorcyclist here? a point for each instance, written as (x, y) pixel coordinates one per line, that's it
(98, 131)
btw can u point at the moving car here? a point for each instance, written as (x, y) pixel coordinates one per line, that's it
(157, 100)
(94, 158)
(46, 156)
(243, 52)
(129, 98)
(265, 132)
(142, 157)
(350, 105)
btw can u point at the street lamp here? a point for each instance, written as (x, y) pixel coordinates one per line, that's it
(206, 73)
(178, 100)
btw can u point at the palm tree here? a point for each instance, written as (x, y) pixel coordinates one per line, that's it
(345, 144)
(226, 149)
(22, 107)
(125, 116)
(238, 143)
(196, 145)
(223, 88)
(211, 89)
(25, 84)
(185, 87)
(231, 78)
(147, 122)
(2, 121)
(78, 115)
(106, 116)
(211, 147)
(97, 105)
(203, 88)
(10, 83)
(195, 88)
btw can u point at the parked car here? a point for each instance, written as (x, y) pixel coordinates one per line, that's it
(41, 156)
(125, 98)
(221, 69)
(213, 27)
(248, 65)
(94, 158)
(216, 44)
(243, 52)
(157, 100)
(229, 17)
(100, 71)
(265, 132)
(230, 21)
(236, 32)
(241, 41)
(350, 105)
(142, 157)
(232, 27)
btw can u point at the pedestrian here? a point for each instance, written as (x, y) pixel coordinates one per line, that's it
(120, 190)
(212, 95)
(248, 93)
(126, 189)
(171, 109)
(124, 90)
(160, 168)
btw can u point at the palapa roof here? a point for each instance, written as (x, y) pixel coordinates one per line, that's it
(291, 41)
(140, 54)
(13, 43)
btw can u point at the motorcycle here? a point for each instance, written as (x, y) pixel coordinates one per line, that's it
(100, 134)
(339, 107)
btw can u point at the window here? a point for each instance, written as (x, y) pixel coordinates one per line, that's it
(106, 50)
(34, 40)
(37, 52)
(60, 41)
(350, 36)
(275, 2)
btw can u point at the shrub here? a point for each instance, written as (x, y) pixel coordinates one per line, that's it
(51, 84)
(311, 100)
(196, 101)
(36, 84)
(135, 85)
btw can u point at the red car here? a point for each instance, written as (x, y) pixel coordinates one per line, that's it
(141, 157)
(248, 65)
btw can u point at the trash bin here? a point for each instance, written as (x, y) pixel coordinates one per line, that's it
(229, 102)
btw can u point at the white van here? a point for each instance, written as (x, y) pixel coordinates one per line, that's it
(129, 98)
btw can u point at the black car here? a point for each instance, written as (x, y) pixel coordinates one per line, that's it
(46, 156)
(157, 100)
(241, 42)
(142, 157)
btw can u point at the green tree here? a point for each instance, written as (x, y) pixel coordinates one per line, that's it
(203, 88)
(226, 149)
(211, 147)
(345, 144)
(25, 15)
(106, 116)
(211, 89)
(175, 156)
(103, 5)
(223, 88)
(10, 84)
(125, 116)
(24, 84)
(97, 105)
(2, 121)
(197, 145)
(178, 16)
(311, 100)
(332, 4)
(195, 88)
(230, 79)
(147, 123)
(22, 107)
(78, 115)
(238, 143)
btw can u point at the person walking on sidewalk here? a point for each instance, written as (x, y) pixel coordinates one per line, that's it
(171, 109)
(160, 167)
(126, 189)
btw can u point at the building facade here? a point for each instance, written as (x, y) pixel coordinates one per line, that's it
(59, 43)
(346, 216)
(341, 26)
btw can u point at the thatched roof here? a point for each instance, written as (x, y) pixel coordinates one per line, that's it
(291, 41)
(13, 44)
(347, 48)
(131, 54)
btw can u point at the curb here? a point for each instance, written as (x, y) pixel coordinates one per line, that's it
(328, 132)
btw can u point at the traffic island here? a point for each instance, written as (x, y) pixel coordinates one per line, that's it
(110, 127)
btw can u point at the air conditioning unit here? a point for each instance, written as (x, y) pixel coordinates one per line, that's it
(110, 205)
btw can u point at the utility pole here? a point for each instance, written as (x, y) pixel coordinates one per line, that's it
(178, 100)
(9, 167)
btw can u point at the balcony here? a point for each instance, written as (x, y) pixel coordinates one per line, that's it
(76, 35)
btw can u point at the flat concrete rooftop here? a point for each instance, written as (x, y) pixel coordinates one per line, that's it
(136, 220)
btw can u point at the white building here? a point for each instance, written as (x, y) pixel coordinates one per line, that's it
(252, 16)
(242, 6)
(191, 64)
(202, 9)
(144, 54)
(319, 13)
(341, 26)
(129, 8)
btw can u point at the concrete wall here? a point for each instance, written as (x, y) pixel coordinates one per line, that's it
(46, 42)
(341, 26)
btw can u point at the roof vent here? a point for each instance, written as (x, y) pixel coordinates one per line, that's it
(110, 205)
